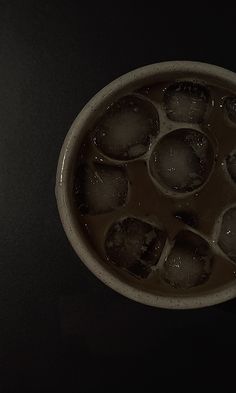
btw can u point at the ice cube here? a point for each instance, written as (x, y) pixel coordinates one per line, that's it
(227, 236)
(230, 108)
(186, 102)
(134, 245)
(126, 129)
(100, 188)
(182, 160)
(189, 261)
(231, 165)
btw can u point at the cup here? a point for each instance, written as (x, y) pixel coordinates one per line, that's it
(130, 287)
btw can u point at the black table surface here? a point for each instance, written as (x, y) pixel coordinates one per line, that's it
(61, 329)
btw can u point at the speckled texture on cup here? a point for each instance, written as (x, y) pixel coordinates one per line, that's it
(67, 157)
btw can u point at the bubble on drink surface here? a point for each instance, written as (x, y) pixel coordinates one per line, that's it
(126, 129)
(227, 236)
(100, 188)
(134, 245)
(189, 262)
(186, 102)
(230, 108)
(182, 160)
(231, 165)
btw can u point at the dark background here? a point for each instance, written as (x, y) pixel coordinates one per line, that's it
(61, 330)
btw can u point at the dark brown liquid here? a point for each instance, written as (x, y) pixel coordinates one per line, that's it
(147, 201)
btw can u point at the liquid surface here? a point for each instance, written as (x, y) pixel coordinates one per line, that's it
(154, 179)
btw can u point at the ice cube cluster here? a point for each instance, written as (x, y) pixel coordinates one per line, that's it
(171, 138)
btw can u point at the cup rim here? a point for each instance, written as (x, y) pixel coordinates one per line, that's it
(223, 294)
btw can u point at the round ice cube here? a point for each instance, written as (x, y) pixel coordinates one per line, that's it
(186, 102)
(134, 245)
(182, 160)
(189, 262)
(100, 188)
(227, 236)
(230, 108)
(231, 165)
(127, 127)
